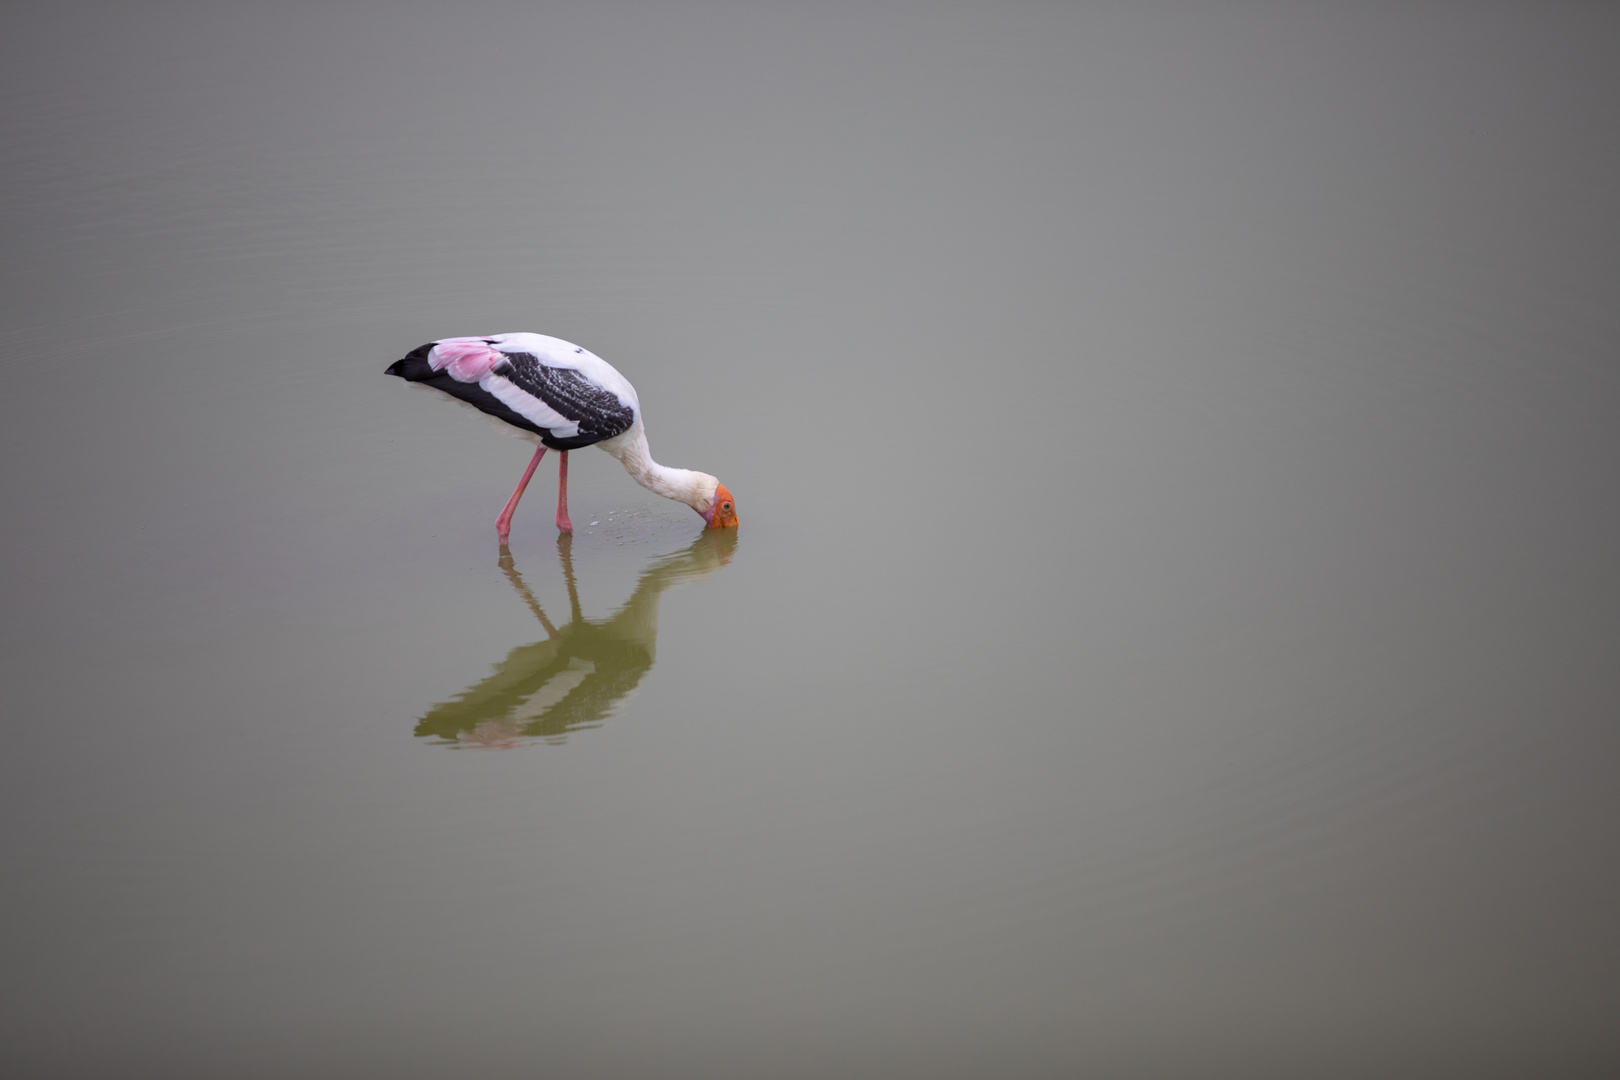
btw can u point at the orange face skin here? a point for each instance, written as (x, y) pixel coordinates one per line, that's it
(724, 514)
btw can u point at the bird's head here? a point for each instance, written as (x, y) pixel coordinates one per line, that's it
(722, 511)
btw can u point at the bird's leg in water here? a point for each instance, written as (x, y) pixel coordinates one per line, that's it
(563, 524)
(503, 524)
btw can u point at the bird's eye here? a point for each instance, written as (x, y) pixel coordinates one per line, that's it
(725, 506)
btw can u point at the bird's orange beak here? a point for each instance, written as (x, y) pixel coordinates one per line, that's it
(724, 515)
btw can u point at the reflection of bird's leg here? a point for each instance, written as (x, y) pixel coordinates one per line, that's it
(565, 550)
(509, 568)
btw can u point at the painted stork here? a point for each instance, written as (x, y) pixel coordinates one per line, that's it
(560, 397)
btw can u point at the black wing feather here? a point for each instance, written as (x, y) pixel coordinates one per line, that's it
(415, 368)
(601, 415)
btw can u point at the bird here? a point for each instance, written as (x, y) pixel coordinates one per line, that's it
(561, 397)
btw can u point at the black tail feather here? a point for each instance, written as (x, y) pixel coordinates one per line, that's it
(414, 367)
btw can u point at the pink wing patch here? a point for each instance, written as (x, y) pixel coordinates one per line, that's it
(467, 359)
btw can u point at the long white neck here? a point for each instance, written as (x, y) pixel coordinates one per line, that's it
(695, 489)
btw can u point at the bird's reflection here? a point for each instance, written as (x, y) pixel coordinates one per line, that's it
(583, 669)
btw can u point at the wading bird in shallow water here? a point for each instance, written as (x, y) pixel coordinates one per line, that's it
(561, 397)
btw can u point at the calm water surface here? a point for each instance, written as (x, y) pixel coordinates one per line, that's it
(1173, 626)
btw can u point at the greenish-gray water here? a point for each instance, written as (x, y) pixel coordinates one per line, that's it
(1172, 630)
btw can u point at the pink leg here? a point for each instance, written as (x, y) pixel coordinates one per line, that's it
(503, 524)
(563, 523)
